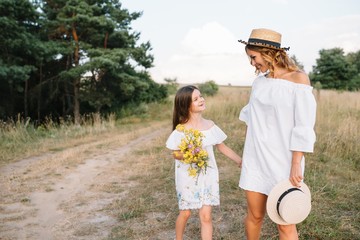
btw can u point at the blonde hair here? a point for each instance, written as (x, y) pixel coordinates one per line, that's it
(274, 57)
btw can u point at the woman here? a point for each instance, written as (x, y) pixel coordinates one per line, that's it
(280, 119)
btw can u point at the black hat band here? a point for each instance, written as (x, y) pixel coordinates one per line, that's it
(283, 195)
(265, 42)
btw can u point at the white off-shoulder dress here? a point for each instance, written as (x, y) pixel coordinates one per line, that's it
(193, 193)
(280, 118)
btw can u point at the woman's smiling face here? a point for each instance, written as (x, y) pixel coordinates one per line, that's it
(257, 60)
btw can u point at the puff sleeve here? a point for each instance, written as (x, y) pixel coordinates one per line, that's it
(174, 140)
(214, 136)
(244, 114)
(303, 135)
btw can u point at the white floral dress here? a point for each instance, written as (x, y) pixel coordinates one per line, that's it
(193, 193)
(280, 118)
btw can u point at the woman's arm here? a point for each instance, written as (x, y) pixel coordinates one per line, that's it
(296, 172)
(229, 153)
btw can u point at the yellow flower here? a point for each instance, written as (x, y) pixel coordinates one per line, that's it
(193, 153)
(180, 127)
(201, 163)
(192, 172)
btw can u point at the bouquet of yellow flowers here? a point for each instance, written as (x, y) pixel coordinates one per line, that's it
(193, 153)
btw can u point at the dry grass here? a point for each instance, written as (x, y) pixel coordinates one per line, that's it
(149, 212)
(20, 139)
(146, 205)
(333, 170)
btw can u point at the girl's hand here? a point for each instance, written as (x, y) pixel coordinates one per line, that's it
(177, 155)
(239, 162)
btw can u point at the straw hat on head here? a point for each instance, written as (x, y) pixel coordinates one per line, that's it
(265, 38)
(287, 204)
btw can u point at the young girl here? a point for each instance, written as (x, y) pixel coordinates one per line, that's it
(201, 192)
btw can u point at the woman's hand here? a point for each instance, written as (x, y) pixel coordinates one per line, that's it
(296, 175)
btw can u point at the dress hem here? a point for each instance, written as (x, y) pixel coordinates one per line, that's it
(252, 190)
(195, 208)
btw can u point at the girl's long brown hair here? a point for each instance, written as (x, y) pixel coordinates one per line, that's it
(182, 104)
(274, 57)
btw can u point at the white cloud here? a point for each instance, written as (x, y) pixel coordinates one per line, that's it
(212, 52)
(212, 38)
(342, 32)
(281, 1)
(207, 53)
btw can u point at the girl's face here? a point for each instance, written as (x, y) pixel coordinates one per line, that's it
(257, 60)
(198, 102)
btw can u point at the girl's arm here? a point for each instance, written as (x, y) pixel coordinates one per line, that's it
(229, 153)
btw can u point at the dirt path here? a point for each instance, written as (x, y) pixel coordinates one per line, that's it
(63, 202)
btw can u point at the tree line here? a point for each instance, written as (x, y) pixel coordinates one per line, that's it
(64, 58)
(336, 70)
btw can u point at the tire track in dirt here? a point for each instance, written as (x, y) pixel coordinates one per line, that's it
(70, 205)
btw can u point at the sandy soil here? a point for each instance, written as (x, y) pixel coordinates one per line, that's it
(46, 197)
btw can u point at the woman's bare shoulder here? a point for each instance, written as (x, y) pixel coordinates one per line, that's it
(299, 77)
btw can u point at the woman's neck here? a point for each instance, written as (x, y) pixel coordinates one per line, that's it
(280, 72)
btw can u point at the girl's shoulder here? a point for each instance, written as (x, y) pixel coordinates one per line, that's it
(208, 124)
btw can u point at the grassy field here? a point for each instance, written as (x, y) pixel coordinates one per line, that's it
(148, 210)
(332, 173)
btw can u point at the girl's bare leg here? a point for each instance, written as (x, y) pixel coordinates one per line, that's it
(206, 222)
(180, 224)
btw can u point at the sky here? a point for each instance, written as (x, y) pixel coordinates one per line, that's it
(196, 41)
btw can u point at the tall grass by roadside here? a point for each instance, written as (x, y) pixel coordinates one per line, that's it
(149, 210)
(20, 138)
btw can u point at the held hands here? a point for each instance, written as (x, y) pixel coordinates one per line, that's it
(239, 162)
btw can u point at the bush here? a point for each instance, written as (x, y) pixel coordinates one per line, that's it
(209, 88)
(171, 85)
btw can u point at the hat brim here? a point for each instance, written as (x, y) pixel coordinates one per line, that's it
(274, 195)
(263, 45)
